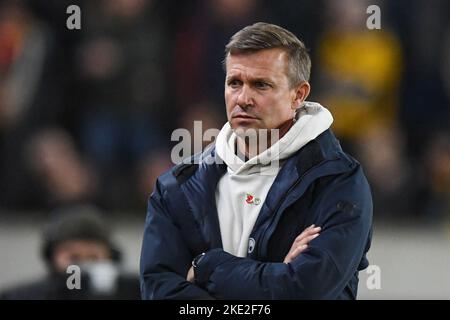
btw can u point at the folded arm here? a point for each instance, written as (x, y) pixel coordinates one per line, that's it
(165, 257)
(322, 271)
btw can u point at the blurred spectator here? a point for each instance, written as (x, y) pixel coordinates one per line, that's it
(23, 49)
(199, 46)
(425, 104)
(147, 171)
(30, 95)
(424, 28)
(138, 69)
(437, 166)
(122, 63)
(304, 17)
(59, 168)
(360, 71)
(204, 112)
(78, 235)
(359, 79)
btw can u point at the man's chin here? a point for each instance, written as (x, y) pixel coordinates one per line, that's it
(245, 131)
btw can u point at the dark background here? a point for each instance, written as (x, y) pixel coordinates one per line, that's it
(86, 115)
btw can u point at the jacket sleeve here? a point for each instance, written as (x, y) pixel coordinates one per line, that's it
(165, 258)
(344, 211)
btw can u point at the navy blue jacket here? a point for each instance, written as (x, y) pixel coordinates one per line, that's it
(319, 184)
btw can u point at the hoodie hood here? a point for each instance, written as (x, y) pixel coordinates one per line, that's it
(312, 119)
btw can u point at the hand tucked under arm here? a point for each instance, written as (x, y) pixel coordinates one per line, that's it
(301, 242)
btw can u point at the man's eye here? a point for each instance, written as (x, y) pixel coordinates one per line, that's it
(261, 85)
(234, 83)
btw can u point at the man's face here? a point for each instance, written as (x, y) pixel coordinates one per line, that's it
(258, 94)
(79, 251)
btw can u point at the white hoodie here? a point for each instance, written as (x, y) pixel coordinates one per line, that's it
(242, 190)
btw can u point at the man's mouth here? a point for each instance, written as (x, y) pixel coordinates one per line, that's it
(243, 116)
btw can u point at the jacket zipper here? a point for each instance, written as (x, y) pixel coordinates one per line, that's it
(282, 201)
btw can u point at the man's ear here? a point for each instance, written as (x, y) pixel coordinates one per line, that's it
(301, 93)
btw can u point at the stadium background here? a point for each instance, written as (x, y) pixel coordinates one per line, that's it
(86, 115)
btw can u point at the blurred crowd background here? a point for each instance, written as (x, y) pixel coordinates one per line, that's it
(86, 115)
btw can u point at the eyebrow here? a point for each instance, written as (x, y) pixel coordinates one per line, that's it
(252, 80)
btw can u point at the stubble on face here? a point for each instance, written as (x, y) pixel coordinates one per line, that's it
(258, 95)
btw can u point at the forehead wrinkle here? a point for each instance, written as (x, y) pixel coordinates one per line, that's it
(251, 78)
(259, 67)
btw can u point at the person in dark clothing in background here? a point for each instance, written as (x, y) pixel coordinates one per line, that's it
(242, 219)
(78, 236)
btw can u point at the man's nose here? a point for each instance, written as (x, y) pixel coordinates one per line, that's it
(245, 98)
